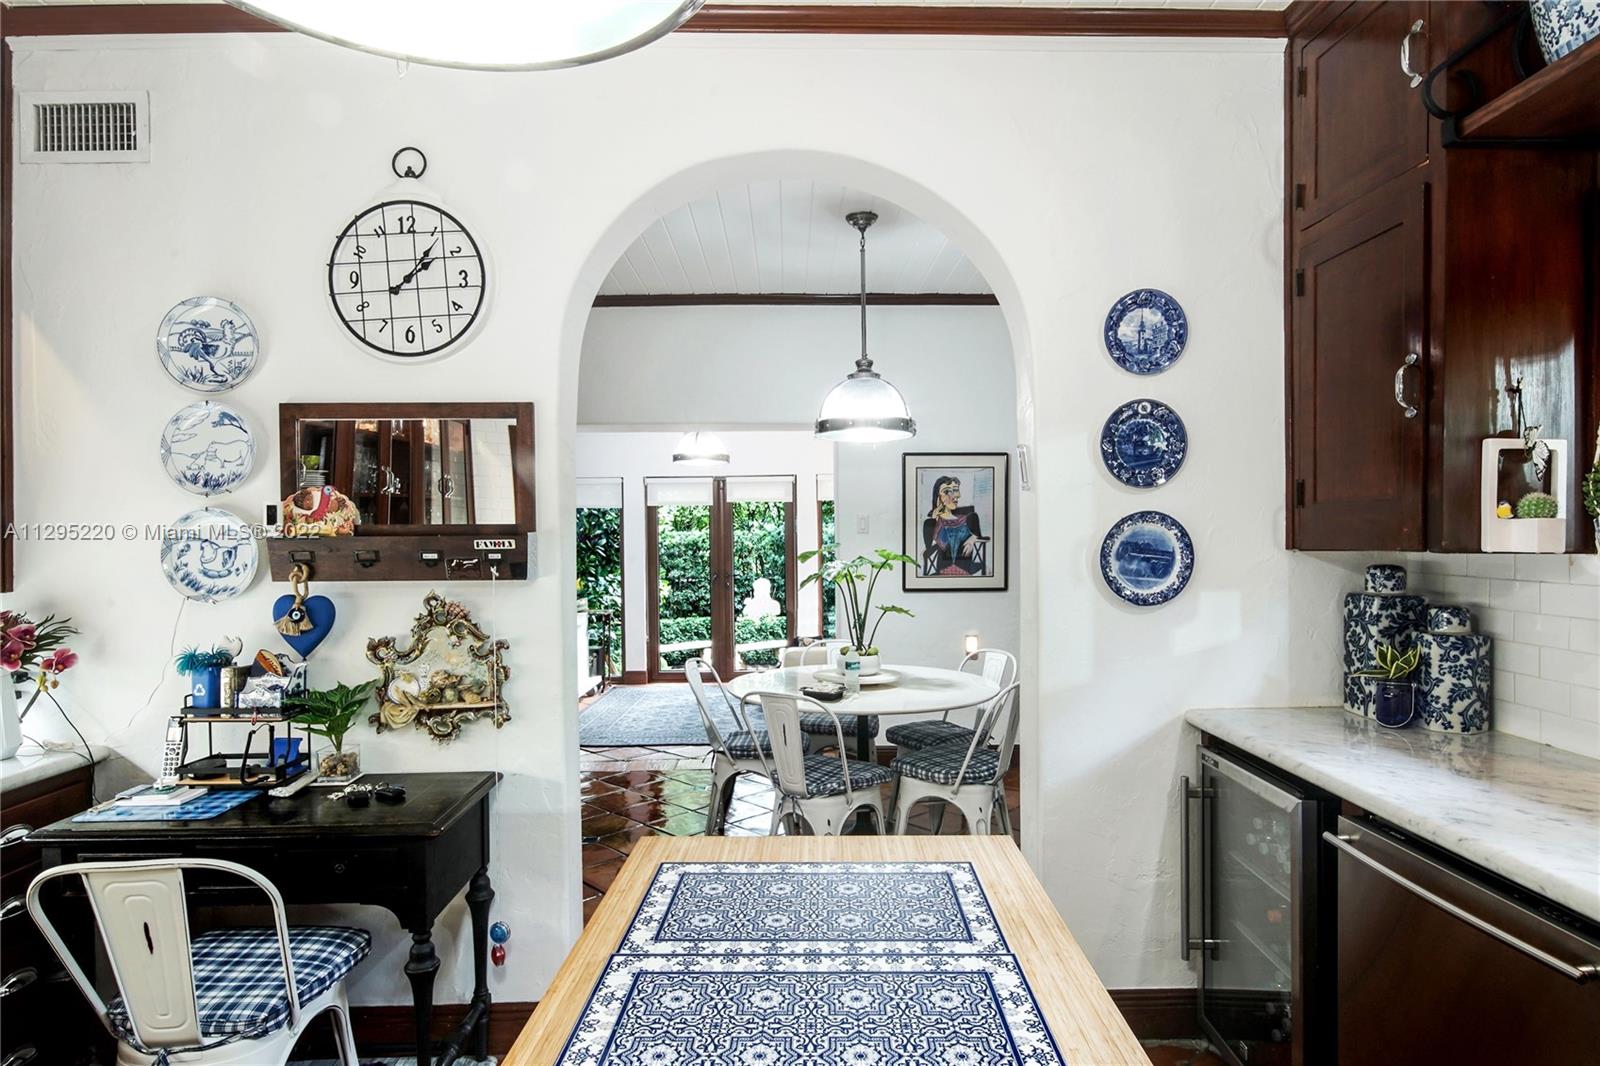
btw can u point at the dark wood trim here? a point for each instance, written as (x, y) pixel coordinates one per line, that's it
(634, 677)
(652, 592)
(791, 566)
(984, 21)
(752, 299)
(725, 18)
(1296, 16)
(7, 409)
(56, 21)
(1304, 15)
(1160, 1013)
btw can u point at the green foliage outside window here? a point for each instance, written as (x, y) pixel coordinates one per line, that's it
(683, 553)
(830, 552)
(600, 577)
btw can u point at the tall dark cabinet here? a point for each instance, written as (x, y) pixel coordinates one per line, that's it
(1423, 276)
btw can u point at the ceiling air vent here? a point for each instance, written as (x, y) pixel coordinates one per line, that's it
(84, 127)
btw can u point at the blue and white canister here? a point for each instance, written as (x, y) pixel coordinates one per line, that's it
(1564, 26)
(1453, 682)
(1444, 618)
(1386, 579)
(1360, 694)
(1371, 619)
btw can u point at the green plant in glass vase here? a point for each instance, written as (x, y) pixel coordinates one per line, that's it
(854, 601)
(329, 713)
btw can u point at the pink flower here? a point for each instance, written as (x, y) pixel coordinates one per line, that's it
(11, 656)
(59, 660)
(24, 636)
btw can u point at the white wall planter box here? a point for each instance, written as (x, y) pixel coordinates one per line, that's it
(1523, 535)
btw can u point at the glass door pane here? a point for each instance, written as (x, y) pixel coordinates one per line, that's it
(600, 546)
(680, 542)
(760, 528)
(1246, 976)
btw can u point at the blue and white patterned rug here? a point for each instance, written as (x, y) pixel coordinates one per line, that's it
(724, 908)
(873, 1010)
(646, 714)
(813, 964)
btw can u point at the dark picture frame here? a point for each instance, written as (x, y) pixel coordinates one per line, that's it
(965, 546)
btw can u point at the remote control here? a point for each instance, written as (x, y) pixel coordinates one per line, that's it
(285, 791)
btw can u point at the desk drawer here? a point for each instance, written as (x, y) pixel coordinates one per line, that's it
(379, 866)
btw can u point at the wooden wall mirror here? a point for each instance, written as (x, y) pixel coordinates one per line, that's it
(436, 485)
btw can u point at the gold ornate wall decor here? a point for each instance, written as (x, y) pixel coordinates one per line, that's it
(452, 673)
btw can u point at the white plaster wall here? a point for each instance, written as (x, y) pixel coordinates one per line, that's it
(634, 456)
(1069, 170)
(733, 366)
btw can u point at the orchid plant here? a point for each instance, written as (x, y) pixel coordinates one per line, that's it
(855, 605)
(35, 652)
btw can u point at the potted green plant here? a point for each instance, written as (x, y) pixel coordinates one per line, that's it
(1396, 697)
(855, 603)
(329, 713)
(204, 670)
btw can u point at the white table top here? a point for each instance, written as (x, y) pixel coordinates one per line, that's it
(920, 690)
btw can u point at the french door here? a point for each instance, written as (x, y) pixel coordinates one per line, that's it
(719, 554)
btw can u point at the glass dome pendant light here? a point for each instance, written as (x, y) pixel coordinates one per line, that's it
(864, 408)
(697, 448)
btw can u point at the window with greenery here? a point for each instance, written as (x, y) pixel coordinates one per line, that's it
(829, 542)
(600, 582)
(683, 560)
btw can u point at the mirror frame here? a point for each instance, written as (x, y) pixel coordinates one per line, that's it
(291, 414)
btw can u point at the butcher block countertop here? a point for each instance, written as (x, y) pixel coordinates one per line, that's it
(1085, 1023)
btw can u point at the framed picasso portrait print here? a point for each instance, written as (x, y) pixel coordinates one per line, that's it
(955, 508)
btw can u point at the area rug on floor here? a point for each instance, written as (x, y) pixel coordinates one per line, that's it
(646, 714)
(889, 1010)
(812, 908)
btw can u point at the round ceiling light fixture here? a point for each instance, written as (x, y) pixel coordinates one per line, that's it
(482, 34)
(864, 408)
(696, 448)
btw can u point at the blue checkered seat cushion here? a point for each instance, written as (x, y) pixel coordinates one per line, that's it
(825, 777)
(941, 764)
(928, 734)
(743, 745)
(238, 976)
(820, 724)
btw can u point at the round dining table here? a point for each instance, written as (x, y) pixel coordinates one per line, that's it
(919, 690)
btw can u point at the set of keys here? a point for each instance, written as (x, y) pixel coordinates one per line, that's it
(361, 795)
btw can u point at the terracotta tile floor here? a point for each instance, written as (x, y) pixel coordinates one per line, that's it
(631, 793)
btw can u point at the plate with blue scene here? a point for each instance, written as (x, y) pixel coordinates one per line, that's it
(209, 554)
(208, 344)
(207, 448)
(1147, 558)
(1143, 443)
(1145, 331)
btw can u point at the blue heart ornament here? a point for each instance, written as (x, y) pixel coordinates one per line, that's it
(319, 609)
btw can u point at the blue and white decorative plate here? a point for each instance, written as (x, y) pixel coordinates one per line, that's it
(1146, 331)
(208, 344)
(207, 449)
(209, 554)
(1143, 443)
(1147, 558)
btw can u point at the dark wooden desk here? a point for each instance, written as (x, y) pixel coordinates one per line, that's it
(411, 858)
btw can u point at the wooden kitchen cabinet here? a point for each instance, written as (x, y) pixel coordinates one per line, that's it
(1481, 261)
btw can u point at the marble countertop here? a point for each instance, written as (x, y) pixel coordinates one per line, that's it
(34, 764)
(1527, 811)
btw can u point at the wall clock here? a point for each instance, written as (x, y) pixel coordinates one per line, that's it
(406, 277)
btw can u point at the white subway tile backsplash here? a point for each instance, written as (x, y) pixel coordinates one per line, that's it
(1586, 703)
(1570, 667)
(1585, 570)
(1444, 564)
(1542, 568)
(1573, 734)
(1548, 631)
(1517, 720)
(1571, 601)
(1469, 590)
(1514, 595)
(1517, 658)
(1504, 685)
(1585, 635)
(1497, 624)
(1502, 566)
(1545, 695)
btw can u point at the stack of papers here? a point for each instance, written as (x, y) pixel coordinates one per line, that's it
(160, 796)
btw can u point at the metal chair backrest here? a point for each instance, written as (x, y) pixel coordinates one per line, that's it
(810, 655)
(782, 713)
(143, 919)
(693, 669)
(999, 723)
(995, 664)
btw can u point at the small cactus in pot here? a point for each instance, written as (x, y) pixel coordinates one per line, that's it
(1537, 505)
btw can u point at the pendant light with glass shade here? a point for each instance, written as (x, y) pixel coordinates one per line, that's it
(864, 408)
(482, 34)
(697, 448)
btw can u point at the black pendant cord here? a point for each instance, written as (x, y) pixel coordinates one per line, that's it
(864, 363)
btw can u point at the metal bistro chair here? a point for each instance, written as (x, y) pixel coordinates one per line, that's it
(740, 752)
(966, 776)
(826, 725)
(229, 996)
(821, 790)
(995, 665)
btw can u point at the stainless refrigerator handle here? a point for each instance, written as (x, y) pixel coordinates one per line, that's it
(1579, 973)
(1186, 942)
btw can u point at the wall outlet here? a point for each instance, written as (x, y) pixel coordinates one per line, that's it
(863, 523)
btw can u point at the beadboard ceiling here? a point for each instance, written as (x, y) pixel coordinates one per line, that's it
(789, 236)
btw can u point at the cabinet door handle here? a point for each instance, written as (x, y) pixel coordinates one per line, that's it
(1405, 52)
(14, 834)
(1411, 360)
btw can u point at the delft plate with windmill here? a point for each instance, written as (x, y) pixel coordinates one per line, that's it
(207, 448)
(1147, 558)
(208, 344)
(209, 554)
(1145, 331)
(1143, 443)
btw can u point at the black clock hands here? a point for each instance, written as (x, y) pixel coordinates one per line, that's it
(422, 264)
